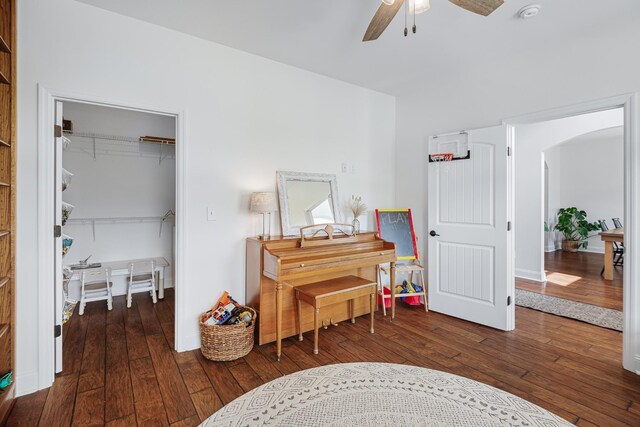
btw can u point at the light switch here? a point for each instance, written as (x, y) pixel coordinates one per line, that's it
(211, 214)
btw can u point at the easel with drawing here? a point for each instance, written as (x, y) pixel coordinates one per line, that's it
(396, 225)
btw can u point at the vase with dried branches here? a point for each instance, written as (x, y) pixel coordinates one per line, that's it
(358, 208)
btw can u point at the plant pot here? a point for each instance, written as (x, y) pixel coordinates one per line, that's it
(570, 245)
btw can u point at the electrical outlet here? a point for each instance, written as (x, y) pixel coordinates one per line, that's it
(211, 214)
(345, 168)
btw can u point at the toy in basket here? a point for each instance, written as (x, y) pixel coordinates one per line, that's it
(226, 331)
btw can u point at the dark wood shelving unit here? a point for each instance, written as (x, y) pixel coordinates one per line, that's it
(7, 200)
(4, 47)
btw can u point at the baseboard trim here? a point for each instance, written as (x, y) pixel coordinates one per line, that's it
(188, 342)
(26, 383)
(597, 250)
(536, 276)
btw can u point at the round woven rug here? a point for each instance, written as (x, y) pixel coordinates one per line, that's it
(379, 394)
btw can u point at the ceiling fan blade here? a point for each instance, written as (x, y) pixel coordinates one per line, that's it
(481, 7)
(381, 20)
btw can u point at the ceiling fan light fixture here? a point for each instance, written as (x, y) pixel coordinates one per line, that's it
(417, 7)
(529, 11)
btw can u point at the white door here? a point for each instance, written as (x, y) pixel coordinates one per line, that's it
(470, 242)
(58, 291)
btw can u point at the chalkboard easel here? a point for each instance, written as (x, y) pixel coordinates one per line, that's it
(396, 225)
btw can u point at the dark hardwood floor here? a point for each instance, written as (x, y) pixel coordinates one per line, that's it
(119, 368)
(576, 276)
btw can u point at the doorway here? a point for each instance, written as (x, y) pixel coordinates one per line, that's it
(49, 316)
(115, 201)
(622, 109)
(586, 172)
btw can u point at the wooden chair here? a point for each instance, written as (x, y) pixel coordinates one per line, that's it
(334, 291)
(95, 286)
(142, 278)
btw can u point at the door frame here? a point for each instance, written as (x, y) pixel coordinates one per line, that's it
(630, 103)
(45, 214)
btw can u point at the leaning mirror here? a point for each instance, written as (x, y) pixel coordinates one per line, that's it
(307, 199)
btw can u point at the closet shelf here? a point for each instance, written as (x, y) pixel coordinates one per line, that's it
(4, 79)
(118, 220)
(4, 47)
(122, 145)
(115, 220)
(108, 137)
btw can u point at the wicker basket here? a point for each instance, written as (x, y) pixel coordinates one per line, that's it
(227, 342)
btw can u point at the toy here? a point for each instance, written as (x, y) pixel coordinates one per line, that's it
(409, 288)
(6, 380)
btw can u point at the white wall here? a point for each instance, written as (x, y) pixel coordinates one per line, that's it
(587, 172)
(602, 65)
(245, 117)
(123, 180)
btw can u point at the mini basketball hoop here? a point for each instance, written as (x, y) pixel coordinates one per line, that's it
(441, 160)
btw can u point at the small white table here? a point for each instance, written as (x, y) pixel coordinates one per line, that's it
(121, 268)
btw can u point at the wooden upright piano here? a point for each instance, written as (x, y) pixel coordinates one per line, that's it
(276, 266)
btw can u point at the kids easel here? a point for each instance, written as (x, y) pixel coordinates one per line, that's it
(396, 225)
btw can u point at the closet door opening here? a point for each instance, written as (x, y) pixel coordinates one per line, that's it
(115, 203)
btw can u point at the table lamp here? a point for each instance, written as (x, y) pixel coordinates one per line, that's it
(264, 203)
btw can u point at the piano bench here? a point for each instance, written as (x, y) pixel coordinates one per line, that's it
(328, 292)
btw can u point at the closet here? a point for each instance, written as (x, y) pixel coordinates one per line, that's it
(115, 201)
(7, 205)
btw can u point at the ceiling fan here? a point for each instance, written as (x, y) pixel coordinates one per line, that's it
(389, 8)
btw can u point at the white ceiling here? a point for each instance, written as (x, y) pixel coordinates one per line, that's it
(325, 36)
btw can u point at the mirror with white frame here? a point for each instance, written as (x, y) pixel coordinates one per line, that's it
(307, 199)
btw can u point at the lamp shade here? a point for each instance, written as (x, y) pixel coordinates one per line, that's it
(263, 202)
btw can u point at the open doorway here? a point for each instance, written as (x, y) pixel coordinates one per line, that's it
(115, 199)
(585, 172)
(570, 184)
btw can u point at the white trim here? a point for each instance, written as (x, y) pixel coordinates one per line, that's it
(45, 240)
(511, 235)
(536, 276)
(631, 289)
(26, 383)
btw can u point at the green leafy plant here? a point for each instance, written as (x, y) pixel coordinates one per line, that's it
(573, 225)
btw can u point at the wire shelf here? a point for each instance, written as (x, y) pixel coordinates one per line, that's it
(104, 144)
(121, 220)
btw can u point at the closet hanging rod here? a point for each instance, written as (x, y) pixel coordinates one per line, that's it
(116, 219)
(116, 138)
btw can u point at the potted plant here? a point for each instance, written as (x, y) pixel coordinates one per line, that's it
(575, 228)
